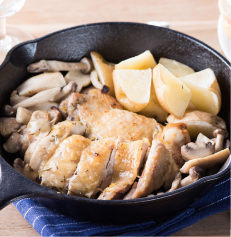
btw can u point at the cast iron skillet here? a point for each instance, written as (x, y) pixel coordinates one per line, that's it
(116, 42)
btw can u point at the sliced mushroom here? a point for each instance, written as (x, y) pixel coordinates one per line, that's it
(13, 145)
(55, 114)
(202, 140)
(85, 65)
(97, 84)
(82, 80)
(220, 134)
(40, 83)
(8, 111)
(15, 98)
(25, 170)
(23, 115)
(43, 106)
(207, 162)
(192, 151)
(39, 98)
(66, 90)
(8, 126)
(195, 173)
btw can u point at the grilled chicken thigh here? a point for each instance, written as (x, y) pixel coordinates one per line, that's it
(104, 117)
(128, 161)
(174, 136)
(159, 170)
(92, 101)
(92, 169)
(63, 163)
(46, 147)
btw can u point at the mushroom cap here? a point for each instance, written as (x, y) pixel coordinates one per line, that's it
(221, 132)
(89, 64)
(196, 173)
(8, 111)
(192, 151)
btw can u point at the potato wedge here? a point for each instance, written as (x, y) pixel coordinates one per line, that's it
(154, 109)
(40, 83)
(176, 68)
(206, 94)
(140, 62)
(171, 93)
(104, 70)
(132, 88)
(199, 122)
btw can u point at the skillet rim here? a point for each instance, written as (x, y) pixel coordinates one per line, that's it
(54, 194)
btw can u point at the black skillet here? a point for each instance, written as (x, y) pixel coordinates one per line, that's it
(116, 42)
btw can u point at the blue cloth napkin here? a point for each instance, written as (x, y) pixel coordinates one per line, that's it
(49, 223)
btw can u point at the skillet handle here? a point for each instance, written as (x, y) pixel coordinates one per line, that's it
(14, 186)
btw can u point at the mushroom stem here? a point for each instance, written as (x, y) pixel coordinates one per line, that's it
(176, 182)
(39, 98)
(23, 115)
(97, 84)
(66, 90)
(220, 134)
(85, 65)
(195, 173)
(219, 143)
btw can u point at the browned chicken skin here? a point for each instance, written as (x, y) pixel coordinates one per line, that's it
(104, 117)
(92, 169)
(128, 161)
(159, 170)
(63, 163)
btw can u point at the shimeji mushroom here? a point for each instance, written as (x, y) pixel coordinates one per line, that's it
(85, 65)
(23, 115)
(97, 84)
(15, 98)
(220, 135)
(55, 115)
(12, 145)
(82, 80)
(66, 90)
(8, 126)
(40, 83)
(207, 162)
(175, 182)
(195, 173)
(43, 106)
(8, 111)
(39, 98)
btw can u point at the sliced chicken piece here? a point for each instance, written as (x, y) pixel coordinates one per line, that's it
(92, 101)
(104, 117)
(38, 127)
(47, 146)
(119, 123)
(128, 161)
(159, 170)
(174, 136)
(63, 163)
(92, 169)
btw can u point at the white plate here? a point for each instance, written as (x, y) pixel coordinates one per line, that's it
(224, 40)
